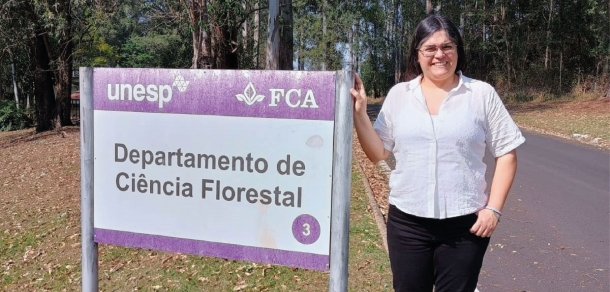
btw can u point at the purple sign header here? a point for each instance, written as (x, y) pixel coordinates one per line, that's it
(264, 94)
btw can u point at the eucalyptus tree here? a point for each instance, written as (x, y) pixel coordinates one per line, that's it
(273, 35)
(215, 27)
(321, 32)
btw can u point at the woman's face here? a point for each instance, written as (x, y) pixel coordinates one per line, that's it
(438, 57)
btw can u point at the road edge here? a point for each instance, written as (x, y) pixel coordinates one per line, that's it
(379, 219)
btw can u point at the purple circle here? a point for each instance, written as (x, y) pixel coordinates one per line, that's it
(306, 229)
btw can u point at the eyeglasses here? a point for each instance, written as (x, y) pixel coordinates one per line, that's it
(430, 51)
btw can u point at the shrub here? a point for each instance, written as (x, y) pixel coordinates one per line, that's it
(13, 118)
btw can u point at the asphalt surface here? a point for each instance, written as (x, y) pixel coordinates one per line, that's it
(555, 229)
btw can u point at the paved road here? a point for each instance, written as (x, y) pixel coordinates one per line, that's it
(555, 232)
(555, 235)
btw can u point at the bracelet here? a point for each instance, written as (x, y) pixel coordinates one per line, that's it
(497, 212)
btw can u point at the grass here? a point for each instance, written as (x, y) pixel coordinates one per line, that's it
(40, 237)
(538, 96)
(596, 126)
(589, 117)
(565, 115)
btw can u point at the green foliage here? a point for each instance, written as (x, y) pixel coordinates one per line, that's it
(98, 54)
(155, 51)
(320, 31)
(13, 118)
(552, 46)
(379, 74)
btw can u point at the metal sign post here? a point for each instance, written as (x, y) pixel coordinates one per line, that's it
(342, 174)
(89, 247)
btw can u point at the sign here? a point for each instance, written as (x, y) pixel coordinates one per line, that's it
(231, 164)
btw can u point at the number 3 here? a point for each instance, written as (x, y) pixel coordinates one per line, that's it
(306, 230)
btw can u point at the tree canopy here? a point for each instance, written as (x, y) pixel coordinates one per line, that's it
(551, 46)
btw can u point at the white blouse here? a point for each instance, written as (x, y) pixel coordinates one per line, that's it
(439, 165)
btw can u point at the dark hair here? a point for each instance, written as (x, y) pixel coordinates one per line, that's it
(424, 29)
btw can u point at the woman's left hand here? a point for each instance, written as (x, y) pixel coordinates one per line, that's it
(486, 223)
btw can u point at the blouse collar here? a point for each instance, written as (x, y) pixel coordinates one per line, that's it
(463, 81)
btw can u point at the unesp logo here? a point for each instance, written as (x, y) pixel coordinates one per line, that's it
(180, 83)
(152, 92)
(292, 97)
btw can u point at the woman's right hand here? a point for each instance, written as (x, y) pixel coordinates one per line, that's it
(359, 95)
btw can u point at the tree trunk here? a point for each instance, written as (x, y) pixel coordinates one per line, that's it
(350, 39)
(273, 36)
(300, 61)
(398, 25)
(428, 7)
(462, 28)
(356, 50)
(15, 90)
(202, 45)
(245, 29)
(560, 68)
(324, 57)
(226, 57)
(257, 25)
(63, 77)
(547, 52)
(46, 109)
(484, 37)
(507, 57)
(286, 36)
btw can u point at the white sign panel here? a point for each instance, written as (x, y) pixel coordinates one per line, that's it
(233, 164)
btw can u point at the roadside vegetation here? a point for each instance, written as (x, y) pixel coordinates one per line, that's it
(576, 116)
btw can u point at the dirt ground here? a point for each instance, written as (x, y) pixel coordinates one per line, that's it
(587, 121)
(40, 173)
(376, 178)
(40, 233)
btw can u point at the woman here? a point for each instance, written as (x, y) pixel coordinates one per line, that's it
(438, 126)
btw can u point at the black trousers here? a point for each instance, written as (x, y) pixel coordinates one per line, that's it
(428, 252)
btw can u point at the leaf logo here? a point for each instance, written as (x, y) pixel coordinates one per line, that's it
(250, 96)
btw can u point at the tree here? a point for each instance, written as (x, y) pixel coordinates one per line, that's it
(46, 106)
(286, 51)
(273, 36)
(49, 30)
(62, 54)
(215, 26)
(201, 33)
